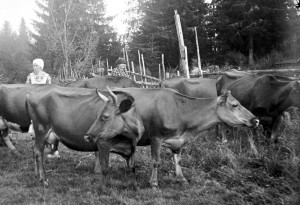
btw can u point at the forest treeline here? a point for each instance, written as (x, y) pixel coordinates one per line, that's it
(74, 36)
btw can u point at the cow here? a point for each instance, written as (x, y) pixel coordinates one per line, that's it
(13, 112)
(266, 96)
(194, 87)
(65, 114)
(167, 117)
(102, 81)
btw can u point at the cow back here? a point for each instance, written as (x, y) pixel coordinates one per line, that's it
(194, 87)
(102, 82)
(13, 102)
(240, 83)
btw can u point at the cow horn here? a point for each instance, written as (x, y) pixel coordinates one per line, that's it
(103, 97)
(114, 97)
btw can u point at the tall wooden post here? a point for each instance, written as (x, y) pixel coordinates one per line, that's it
(159, 72)
(140, 64)
(127, 60)
(133, 72)
(144, 70)
(198, 54)
(163, 67)
(187, 67)
(183, 60)
(107, 67)
(124, 55)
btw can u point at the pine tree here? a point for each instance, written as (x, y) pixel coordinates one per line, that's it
(157, 32)
(69, 34)
(254, 28)
(8, 49)
(21, 56)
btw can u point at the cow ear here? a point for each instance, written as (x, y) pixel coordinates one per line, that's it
(125, 105)
(224, 97)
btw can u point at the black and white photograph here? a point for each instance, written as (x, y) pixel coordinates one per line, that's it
(150, 102)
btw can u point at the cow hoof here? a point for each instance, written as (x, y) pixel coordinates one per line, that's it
(182, 181)
(185, 182)
(16, 153)
(154, 188)
(97, 171)
(45, 182)
(136, 187)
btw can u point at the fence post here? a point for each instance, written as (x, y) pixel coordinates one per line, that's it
(198, 54)
(127, 59)
(163, 66)
(167, 75)
(182, 47)
(144, 70)
(107, 67)
(159, 72)
(133, 72)
(124, 56)
(187, 67)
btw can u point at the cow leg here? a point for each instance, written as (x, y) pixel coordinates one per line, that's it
(276, 126)
(97, 163)
(155, 155)
(103, 155)
(223, 132)
(179, 174)
(251, 142)
(8, 142)
(39, 159)
(131, 165)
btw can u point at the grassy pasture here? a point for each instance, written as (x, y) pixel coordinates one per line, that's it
(217, 174)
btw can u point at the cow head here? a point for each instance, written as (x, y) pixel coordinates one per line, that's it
(113, 119)
(233, 113)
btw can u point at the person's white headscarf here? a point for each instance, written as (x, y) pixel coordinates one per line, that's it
(39, 62)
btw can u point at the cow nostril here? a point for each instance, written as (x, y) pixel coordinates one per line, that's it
(87, 138)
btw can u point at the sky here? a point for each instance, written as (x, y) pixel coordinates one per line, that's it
(13, 11)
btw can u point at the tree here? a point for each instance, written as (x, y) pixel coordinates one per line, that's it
(254, 28)
(157, 32)
(7, 50)
(70, 31)
(21, 55)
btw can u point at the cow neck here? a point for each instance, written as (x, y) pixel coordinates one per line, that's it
(199, 114)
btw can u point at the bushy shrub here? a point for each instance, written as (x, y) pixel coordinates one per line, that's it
(268, 62)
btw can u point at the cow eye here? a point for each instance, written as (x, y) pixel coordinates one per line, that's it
(235, 105)
(104, 117)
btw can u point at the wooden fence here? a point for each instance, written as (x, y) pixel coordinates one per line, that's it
(151, 82)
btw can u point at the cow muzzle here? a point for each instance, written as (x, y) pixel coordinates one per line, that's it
(255, 122)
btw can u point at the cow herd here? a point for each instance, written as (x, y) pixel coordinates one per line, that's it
(112, 114)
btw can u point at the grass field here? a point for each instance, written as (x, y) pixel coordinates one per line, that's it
(217, 174)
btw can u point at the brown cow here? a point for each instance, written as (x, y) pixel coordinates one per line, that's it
(167, 117)
(66, 114)
(266, 96)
